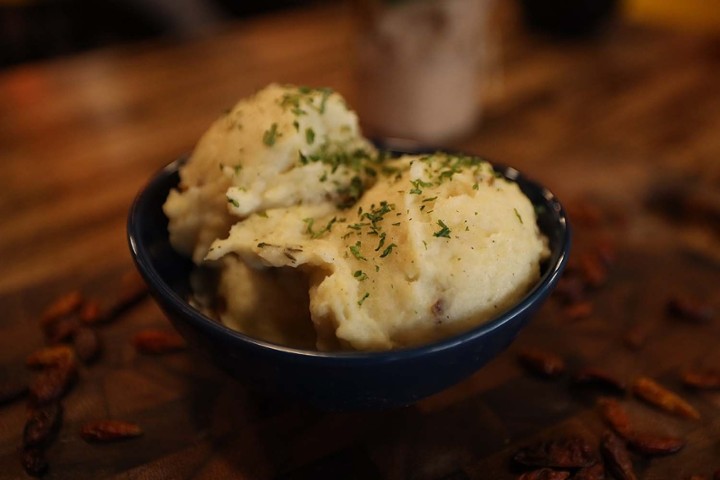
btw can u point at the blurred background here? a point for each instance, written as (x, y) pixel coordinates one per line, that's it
(39, 29)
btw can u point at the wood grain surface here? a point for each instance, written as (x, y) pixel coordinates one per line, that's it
(604, 123)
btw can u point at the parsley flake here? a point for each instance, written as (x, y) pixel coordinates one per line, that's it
(517, 214)
(317, 234)
(326, 92)
(355, 250)
(417, 184)
(360, 275)
(270, 136)
(382, 241)
(388, 250)
(444, 230)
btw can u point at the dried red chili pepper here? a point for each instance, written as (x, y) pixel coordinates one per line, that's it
(42, 424)
(50, 356)
(615, 415)
(570, 452)
(545, 474)
(655, 394)
(617, 458)
(702, 379)
(716, 475)
(654, 445)
(109, 430)
(158, 341)
(62, 306)
(52, 383)
(600, 378)
(541, 362)
(646, 443)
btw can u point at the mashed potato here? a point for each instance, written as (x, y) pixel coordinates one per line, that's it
(283, 146)
(439, 244)
(319, 241)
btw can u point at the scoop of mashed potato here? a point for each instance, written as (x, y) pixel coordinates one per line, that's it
(283, 146)
(317, 241)
(437, 245)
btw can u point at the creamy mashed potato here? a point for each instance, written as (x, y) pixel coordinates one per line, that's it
(270, 304)
(438, 245)
(283, 146)
(318, 241)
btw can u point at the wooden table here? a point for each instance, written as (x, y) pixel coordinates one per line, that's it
(600, 122)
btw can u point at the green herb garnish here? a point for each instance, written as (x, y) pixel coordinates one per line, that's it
(417, 184)
(270, 136)
(388, 250)
(313, 234)
(360, 275)
(517, 214)
(382, 241)
(326, 92)
(444, 230)
(355, 250)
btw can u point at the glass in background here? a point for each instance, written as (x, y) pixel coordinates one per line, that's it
(421, 67)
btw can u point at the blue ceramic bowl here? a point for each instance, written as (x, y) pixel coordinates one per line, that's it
(341, 380)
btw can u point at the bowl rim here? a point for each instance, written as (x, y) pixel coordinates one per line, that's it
(142, 259)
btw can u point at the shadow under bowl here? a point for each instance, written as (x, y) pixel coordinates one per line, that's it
(334, 380)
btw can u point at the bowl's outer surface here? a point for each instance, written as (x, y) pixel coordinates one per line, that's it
(339, 381)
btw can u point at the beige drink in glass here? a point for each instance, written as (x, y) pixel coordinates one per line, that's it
(419, 67)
